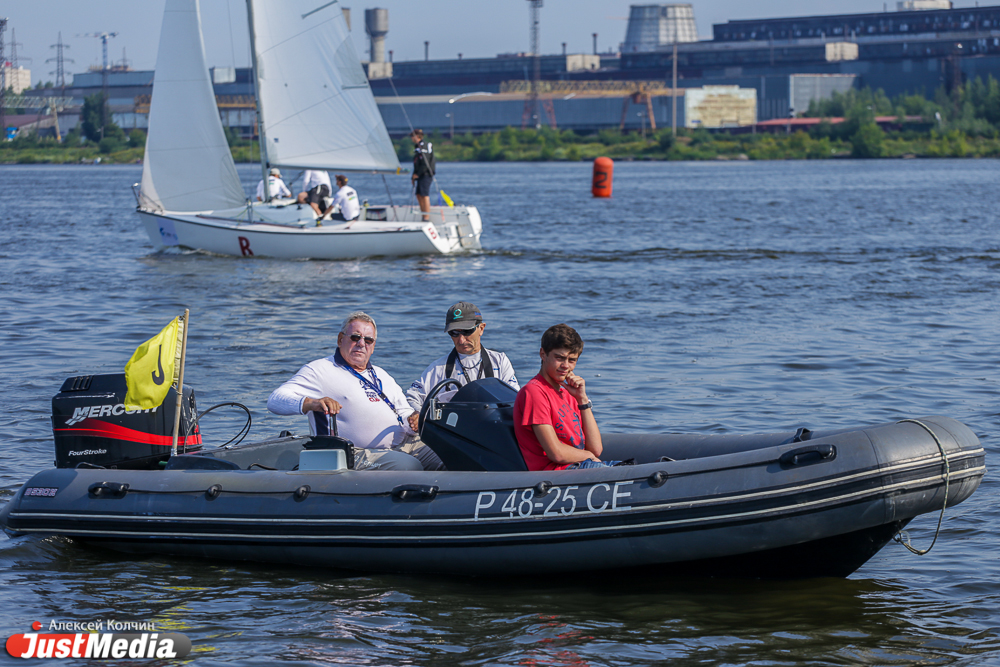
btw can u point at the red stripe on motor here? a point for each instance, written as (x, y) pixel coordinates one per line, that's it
(98, 429)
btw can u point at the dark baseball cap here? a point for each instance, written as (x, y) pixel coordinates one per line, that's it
(462, 315)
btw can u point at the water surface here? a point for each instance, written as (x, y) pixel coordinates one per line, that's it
(713, 297)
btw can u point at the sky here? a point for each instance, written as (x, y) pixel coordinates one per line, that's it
(474, 28)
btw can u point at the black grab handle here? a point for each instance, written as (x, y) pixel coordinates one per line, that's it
(326, 423)
(414, 492)
(108, 490)
(806, 456)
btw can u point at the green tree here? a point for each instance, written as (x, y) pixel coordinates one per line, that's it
(109, 145)
(95, 110)
(72, 137)
(868, 141)
(136, 139)
(665, 138)
(492, 150)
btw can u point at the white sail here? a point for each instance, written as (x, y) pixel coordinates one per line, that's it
(318, 109)
(188, 164)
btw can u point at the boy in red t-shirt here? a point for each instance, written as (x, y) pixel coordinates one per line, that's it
(553, 420)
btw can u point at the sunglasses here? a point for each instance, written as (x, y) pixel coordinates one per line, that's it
(455, 333)
(355, 337)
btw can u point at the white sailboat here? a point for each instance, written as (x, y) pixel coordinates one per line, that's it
(315, 111)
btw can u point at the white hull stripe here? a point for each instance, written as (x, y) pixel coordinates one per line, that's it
(850, 497)
(707, 502)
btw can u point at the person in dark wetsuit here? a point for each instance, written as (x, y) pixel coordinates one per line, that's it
(424, 168)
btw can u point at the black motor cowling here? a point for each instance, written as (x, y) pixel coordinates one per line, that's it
(474, 430)
(91, 425)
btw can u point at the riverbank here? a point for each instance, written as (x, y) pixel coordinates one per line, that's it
(50, 152)
(545, 145)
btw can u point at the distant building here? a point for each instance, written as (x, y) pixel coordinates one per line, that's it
(920, 5)
(17, 78)
(788, 61)
(654, 27)
(720, 106)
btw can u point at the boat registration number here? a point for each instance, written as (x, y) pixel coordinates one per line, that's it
(558, 501)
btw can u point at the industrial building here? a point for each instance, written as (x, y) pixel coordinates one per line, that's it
(786, 62)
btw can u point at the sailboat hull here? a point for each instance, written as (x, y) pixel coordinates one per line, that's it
(284, 232)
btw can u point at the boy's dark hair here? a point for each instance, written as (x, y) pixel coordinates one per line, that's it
(417, 133)
(562, 336)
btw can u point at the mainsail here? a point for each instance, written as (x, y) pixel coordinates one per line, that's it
(318, 109)
(188, 164)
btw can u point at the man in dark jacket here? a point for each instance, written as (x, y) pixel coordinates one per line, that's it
(423, 171)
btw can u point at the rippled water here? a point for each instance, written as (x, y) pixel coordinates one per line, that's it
(714, 297)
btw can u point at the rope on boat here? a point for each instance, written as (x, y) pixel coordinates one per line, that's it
(902, 536)
(236, 439)
(402, 107)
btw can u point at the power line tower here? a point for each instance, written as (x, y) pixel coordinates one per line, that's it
(14, 62)
(60, 60)
(532, 111)
(3, 81)
(104, 37)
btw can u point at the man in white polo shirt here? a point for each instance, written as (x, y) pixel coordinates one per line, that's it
(371, 409)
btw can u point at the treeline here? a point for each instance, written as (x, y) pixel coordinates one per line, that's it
(963, 123)
(972, 109)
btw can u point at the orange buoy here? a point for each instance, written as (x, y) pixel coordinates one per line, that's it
(604, 170)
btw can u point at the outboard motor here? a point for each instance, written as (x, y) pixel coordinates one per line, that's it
(474, 430)
(91, 425)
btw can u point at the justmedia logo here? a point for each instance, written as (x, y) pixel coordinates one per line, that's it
(88, 640)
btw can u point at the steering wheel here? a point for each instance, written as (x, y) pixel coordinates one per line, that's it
(431, 394)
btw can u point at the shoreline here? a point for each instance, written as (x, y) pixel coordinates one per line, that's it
(550, 146)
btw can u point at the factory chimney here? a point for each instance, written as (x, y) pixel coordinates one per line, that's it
(377, 26)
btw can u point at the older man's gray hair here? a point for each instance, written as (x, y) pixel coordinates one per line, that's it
(361, 316)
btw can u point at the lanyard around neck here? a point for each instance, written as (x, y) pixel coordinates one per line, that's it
(375, 386)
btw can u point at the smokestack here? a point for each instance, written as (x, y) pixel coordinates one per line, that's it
(377, 25)
(595, 43)
(427, 50)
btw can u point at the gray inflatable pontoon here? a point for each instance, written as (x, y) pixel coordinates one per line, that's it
(775, 505)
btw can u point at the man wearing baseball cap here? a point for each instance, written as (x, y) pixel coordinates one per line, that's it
(275, 186)
(467, 361)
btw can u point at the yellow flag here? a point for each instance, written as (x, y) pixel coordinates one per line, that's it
(447, 199)
(150, 372)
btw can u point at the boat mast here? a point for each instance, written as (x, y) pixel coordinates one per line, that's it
(262, 140)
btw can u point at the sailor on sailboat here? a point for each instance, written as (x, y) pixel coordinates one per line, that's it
(322, 118)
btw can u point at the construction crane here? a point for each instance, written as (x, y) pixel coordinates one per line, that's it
(104, 37)
(633, 92)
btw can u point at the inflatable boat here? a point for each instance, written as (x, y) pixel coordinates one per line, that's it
(802, 504)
